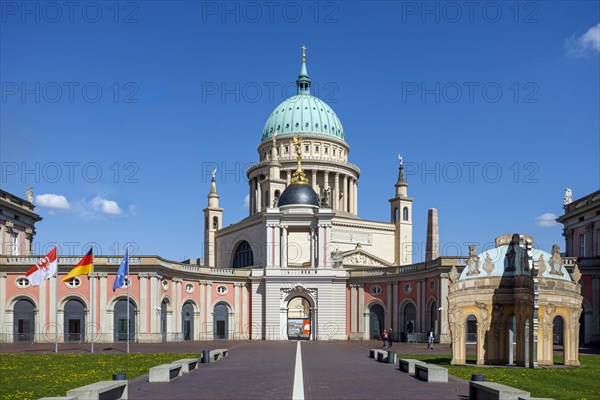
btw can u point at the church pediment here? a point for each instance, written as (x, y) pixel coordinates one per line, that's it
(361, 258)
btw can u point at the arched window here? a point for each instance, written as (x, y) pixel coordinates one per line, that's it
(276, 198)
(396, 214)
(243, 256)
(405, 213)
(215, 223)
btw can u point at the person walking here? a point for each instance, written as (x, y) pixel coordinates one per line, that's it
(430, 340)
(384, 337)
(390, 338)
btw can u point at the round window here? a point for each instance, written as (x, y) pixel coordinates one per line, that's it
(165, 284)
(375, 290)
(432, 285)
(408, 288)
(221, 290)
(189, 287)
(22, 282)
(73, 283)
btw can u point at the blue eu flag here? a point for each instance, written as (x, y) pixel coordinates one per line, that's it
(123, 270)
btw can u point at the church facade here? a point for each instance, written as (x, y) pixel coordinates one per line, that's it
(302, 265)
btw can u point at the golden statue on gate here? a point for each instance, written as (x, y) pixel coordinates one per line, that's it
(299, 177)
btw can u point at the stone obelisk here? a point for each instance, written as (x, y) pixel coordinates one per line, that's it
(432, 246)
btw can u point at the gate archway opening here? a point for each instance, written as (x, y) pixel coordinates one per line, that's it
(558, 325)
(299, 319)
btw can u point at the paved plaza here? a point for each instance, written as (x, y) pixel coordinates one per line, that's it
(271, 370)
(266, 370)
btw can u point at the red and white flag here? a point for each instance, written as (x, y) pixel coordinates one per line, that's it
(44, 269)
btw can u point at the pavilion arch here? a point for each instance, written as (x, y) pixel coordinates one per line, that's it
(432, 316)
(22, 331)
(373, 308)
(404, 318)
(471, 335)
(559, 333)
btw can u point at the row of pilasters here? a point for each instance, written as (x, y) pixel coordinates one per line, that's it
(343, 190)
(393, 311)
(278, 245)
(50, 314)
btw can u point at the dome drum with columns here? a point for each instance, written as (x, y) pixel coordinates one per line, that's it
(324, 152)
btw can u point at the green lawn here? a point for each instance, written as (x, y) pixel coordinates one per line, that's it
(557, 383)
(27, 376)
(31, 376)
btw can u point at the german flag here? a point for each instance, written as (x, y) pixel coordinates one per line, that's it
(83, 267)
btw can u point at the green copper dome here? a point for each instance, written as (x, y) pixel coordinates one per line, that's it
(303, 113)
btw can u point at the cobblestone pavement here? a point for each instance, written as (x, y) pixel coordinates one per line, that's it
(344, 370)
(259, 370)
(265, 370)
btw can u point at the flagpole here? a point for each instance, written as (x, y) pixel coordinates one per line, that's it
(93, 297)
(56, 306)
(128, 284)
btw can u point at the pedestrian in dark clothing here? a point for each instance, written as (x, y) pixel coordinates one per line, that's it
(390, 338)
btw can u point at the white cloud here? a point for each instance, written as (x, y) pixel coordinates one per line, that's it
(105, 206)
(246, 201)
(99, 207)
(52, 201)
(585, 45)
(546, 220)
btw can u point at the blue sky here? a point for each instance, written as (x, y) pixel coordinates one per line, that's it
(124, 109)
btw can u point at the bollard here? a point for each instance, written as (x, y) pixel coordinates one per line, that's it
(391, 357)
(119, 377)
(477, 378)
(205, 357)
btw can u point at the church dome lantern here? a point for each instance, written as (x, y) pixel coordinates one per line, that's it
(303, 113)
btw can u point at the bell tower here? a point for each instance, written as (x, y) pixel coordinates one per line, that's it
(273, 186)
(401, 216)
(213, 221)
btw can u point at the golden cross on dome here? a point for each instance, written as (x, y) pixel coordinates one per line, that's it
(303, 53)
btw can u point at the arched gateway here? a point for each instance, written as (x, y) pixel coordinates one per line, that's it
(299, 321)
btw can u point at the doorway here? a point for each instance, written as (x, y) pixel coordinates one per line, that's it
(220, 320)
(299, 321)
(377, 321)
